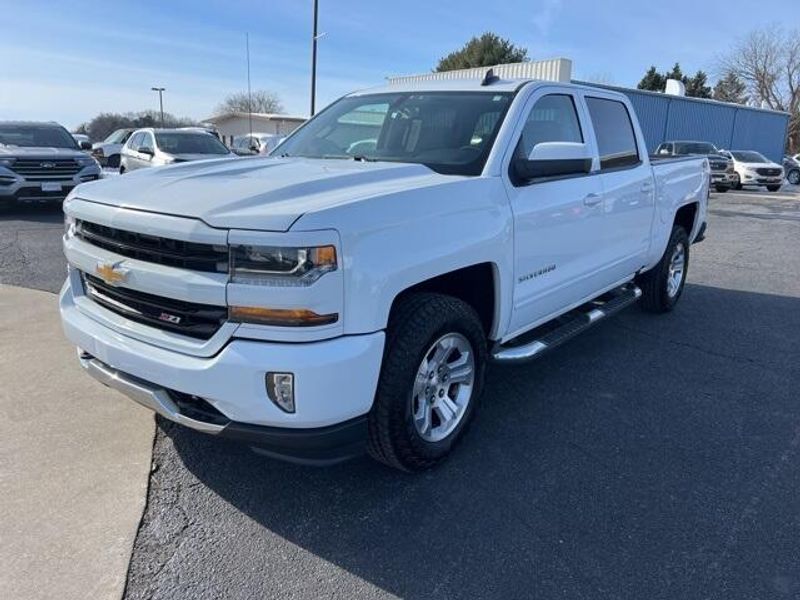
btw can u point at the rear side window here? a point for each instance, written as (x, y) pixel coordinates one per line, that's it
(614, 130)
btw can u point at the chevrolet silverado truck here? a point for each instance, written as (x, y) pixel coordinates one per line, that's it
(40, 162)
(348, 293)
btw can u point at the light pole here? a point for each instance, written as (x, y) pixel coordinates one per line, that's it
(314, 38)
(160, 91)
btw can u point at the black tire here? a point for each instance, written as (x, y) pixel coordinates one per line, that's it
(654, 283)
(721, 188)
(113, 161)
(773, 188)
(122, 170)
(737, 182)
(793, 177)
(416, 323)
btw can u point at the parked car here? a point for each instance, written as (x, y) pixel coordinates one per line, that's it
(320, 303)
(210, 129)
(157, 147)
(40, 162)
(791, 167)
(754, 169)
(83, 141)
(256, 143)
(722, 171)
(108, 151)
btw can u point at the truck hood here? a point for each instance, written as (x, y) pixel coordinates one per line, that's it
(759, 165)
(24, 152)
(262, 193)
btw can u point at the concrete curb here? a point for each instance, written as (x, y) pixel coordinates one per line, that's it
(74, 463)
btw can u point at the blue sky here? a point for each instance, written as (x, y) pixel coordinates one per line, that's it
(69, 60)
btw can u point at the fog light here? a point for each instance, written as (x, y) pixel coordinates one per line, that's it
(280, 389)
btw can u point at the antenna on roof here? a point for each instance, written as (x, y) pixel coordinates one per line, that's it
(490, 78)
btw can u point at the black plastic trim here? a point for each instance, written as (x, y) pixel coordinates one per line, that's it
(317, 446)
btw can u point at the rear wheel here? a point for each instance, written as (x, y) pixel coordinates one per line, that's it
(430, 382)
(662, 285)
(773, 188)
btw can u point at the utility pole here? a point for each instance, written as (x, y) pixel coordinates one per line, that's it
(160, 91)
(314, 38)
(249, 92)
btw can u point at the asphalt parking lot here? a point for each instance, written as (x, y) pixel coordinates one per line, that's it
(653, 457)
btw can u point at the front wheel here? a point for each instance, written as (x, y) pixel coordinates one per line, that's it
(737, 182)
(662, 285)
(721, 188)
(773, 188)
(430, 382)
(794, 177)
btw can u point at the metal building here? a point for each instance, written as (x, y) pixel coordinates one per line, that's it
(729, 126)
(662, 116)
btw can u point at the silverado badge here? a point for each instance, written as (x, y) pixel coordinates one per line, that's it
(111, 273)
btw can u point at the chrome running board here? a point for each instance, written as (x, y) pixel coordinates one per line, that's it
(533, 344)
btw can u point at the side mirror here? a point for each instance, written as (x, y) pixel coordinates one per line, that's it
(86, 145)
(146, 150)
(554, 159)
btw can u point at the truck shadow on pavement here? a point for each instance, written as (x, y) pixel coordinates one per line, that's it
(650, 457)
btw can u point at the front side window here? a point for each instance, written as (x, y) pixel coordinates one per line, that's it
(552, 119)
(613, 128)
(449, 132)
(36, 136)
(189, 143)
(136, 141)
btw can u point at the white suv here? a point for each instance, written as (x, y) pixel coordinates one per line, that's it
(753, 168)
(157, 147)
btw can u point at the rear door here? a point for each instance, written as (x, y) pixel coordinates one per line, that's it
(558, 222)
(627, 183)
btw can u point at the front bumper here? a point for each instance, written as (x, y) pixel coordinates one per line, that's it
(320, 445)
(721, 178)
(16, 188)
(335, 382)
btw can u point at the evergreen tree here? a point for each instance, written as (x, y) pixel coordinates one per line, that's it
(484, 51)
(652, 80)
(731, 89)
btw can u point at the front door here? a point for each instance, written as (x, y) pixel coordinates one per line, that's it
(558, 222)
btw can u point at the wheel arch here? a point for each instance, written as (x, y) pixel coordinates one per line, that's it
(478, 285)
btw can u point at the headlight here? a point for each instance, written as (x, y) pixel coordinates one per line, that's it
(87, 161)
(69, 226)
(268, 265)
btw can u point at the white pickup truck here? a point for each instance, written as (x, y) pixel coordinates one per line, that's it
(349, 293)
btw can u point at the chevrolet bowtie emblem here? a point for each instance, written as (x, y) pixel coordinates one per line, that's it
(111, 273)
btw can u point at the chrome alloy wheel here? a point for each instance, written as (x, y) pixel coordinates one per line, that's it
(443, 387)
(677, 267)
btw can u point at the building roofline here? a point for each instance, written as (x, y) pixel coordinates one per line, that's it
(618, 88)
(267, 116)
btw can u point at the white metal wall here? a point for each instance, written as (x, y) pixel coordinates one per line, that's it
(556, 69)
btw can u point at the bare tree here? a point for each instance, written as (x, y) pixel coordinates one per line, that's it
(768, 61)
(260, 101)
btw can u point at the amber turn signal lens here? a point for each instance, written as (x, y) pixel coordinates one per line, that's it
(285, 317)
(323, 256)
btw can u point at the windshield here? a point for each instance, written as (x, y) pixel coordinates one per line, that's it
(189, 143)
(449, 132)
(36, 136)
(695, 148)
(749, 157)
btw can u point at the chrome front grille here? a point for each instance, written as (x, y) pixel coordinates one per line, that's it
(154, 249)
(767, 172)
(45, 170)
